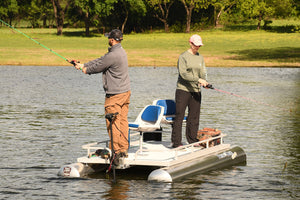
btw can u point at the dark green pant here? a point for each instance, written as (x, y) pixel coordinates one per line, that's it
(192, 101)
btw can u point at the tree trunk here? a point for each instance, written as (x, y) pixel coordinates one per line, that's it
(188, 15)
(218, 18)
(87, 24)
(125, 20)
(188, 19)
(59, 14)
(259, 22)
(222, 10)
(164, 9)
(166, 27)
(124, 23)
(44, 21)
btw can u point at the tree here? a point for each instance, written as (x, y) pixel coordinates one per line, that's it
(297, 7)
(190, 5)
(9, 10)
(284, 8)
(91, 10)
(257, 9)
(161, 9)
(222, 6)
(60, 7)
(40, 10)
(134, 6)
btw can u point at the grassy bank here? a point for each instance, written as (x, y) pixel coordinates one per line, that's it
(221, 48)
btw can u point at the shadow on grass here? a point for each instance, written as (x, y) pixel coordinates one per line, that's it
(240, 27)
(93, 33)
(268, 28)
(283, 29)
(282, 54)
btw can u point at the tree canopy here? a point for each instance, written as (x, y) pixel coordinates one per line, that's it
(143, 15)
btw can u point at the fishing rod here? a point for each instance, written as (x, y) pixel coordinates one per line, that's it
(72, 62)
(209, 86)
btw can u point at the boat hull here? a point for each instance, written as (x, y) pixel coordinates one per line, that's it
(226, 158)
(176, 169)
(76, 170)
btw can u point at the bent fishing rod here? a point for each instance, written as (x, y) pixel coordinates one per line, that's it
(71, 62)
(209, 86)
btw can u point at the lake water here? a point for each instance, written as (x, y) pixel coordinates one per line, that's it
(48, 113)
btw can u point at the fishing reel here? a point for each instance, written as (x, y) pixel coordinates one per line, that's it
(73, 62)
(111, 116)
(209, 86)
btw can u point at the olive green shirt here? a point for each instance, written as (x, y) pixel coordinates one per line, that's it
(190, 68)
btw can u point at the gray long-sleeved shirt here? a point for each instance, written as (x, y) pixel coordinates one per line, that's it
(114, 68)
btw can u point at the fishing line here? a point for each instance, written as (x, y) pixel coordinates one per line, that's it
(72, 62)
(249, 99)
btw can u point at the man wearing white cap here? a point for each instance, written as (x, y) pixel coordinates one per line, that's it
(192, 75)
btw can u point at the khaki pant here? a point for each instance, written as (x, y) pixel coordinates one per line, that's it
(118, 103)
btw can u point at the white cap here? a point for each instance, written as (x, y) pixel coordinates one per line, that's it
(196, 40)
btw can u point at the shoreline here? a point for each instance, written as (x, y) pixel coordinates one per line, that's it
(257, 66)
(154, 63)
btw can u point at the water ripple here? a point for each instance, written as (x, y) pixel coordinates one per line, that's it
(45, 119)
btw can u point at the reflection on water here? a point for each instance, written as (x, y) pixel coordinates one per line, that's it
(48, 113)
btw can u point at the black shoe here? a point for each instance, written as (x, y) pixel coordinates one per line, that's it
(103, 153)
(175, 146)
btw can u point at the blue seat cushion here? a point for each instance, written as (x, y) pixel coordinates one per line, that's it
(169, 105)
(133, 125)
(170, 118)
(151, 113)
(173, 118)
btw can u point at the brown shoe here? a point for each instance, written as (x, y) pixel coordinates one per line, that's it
(116, 160)
(124, 154)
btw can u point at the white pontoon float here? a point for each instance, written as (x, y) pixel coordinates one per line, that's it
(149, 151)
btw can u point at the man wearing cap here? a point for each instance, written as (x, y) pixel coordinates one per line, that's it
(191, 76)
(114, 68)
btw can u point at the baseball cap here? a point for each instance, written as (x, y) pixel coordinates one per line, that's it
(196, 40)
(115, 34)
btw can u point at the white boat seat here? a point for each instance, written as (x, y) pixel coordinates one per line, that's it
(148, 120)
(169, 110)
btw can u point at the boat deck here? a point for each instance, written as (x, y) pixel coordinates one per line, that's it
(156, 153)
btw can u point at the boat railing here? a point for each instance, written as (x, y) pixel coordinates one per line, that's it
(203, 144)
(92, 146)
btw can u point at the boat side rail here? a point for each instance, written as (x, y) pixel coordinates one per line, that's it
(94, 146)
(91, 146)
(188, 146)
(206, 142)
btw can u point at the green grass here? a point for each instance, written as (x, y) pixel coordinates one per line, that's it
(222, 47)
